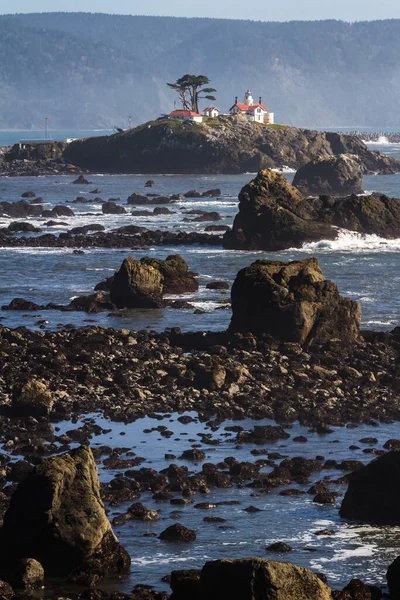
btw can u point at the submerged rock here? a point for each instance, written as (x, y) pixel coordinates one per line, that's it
(56, 516)
(338, 175)
(273, 215)
(293, 302)
(373, 492)
(258, 579)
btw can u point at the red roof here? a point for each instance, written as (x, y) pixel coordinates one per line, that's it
(245, 108)
(210, 108)
(184, 113)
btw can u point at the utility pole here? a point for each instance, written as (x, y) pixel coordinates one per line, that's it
(45, 128)
(129, 122)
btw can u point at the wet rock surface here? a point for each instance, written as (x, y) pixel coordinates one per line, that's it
(273, 215)
(373, 492)
(339, 175)
(256, 579)
(292, 302)
(56, 516)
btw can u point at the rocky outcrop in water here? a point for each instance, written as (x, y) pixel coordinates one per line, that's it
(233, 145)
(339, 175)
(142, 284)
(137, 285)
(293, 302)
(273, 215)
(259, 579)
(35, 160)
(373, 492)
(56, 516)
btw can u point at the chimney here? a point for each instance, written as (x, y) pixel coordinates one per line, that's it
(260, 100)
(236, 99)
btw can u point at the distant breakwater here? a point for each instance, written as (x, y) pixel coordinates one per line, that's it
(378, 138)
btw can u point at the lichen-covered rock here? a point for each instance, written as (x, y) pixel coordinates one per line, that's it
(338, 175)
(175, 272)
(26, 574)
(56, 516)
(273, 215)
(373, 492)
(33, 399)
(258, 579)
(137, 285)
(293, 302)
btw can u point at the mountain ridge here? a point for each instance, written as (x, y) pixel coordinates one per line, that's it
(310, 73)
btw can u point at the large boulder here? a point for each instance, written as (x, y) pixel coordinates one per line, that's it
(57, 517)
(393, 579)
(293, 302)
(259, 579)
(273, 215)
(176, 276)
(373, 492)
(338, 175)
(137, 285)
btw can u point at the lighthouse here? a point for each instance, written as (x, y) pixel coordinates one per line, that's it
(248, 98)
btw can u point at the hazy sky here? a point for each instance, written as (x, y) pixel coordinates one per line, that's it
(265, 10)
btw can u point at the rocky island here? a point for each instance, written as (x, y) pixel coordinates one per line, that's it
(218, 145)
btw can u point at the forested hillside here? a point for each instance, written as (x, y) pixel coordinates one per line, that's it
(93, 70)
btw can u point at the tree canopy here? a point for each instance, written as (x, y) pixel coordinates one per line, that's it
(190, 89)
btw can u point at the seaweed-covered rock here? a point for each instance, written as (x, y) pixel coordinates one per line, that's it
(137, 285)
(273, 215)
(258, 579)
(56, 516)
(334, 175)
(373, 492)
(293, 302)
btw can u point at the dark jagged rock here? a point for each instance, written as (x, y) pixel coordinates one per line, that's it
(81, 180)
(373, 492)
(184, 584)
(139, 199)
(110, 208)
(235, 146)
(23, 227)
(339, 175)
(28, 194)
(274, 216)
(293, 302)
(279, 547)
(177, 533)
(256, 579)
(393, 579)
(137, 285)
(87, 229)
(56, 516)
(94, 303)
(22, 304)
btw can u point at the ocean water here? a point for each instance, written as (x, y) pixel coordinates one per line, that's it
(354, 550)
(364, 267)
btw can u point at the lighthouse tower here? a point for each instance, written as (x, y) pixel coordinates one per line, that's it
(248, 98)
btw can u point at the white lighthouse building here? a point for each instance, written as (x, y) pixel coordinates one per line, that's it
(252, 112)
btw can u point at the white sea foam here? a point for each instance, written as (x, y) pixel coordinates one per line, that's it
(351, 241)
